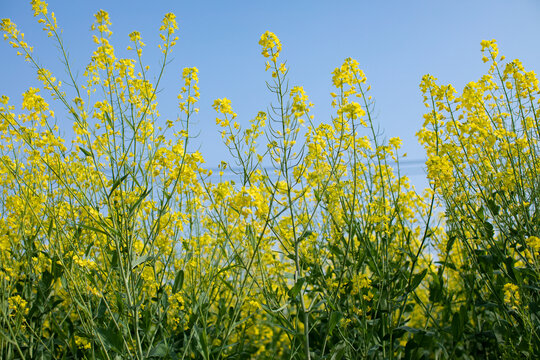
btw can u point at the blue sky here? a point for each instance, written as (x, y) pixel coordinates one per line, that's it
(395, 42)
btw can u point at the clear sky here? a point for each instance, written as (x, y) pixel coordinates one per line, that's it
(395, 42)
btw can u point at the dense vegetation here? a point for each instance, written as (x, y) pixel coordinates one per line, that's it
(120, 244)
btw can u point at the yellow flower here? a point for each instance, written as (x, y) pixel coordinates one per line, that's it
(360, 282)
(271, 46)
(511, 295)
(534, 243)
(223, 106)
(82, 343)
(39, 7)
(103, 22)
(300, 106)
(491, 47)
(395, 142)
(17, 304)
(352, 111)
(135, 36)
(169, 23)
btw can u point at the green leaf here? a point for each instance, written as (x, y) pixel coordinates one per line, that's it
(57, 269)
(45, 283)
(489, 230)
(140, 260)
(178, 281)
(509, 265)
(480, 213)
(202, 343)
(338, 351)
(450, 243)
(49, 230)
(416, 280)
(160, 350)
(305, 235)
(436, 288)
(87, 227)
(102, 308)
(54, 302)
(109, 121)
(409, 329)
(85, 152)
(456, 327)
(335, 250)
(139, 201)
(228, 284)
(288, 329)
(117, 183)
(493, 207)
(334, 319)
(295, 290)
(111, 338)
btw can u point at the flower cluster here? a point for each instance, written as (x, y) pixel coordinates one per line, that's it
(271, 46)
(314, 244)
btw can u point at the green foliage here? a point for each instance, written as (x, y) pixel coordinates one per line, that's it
(124, 247)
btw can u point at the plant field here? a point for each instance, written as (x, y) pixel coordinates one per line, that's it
(120, 244)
